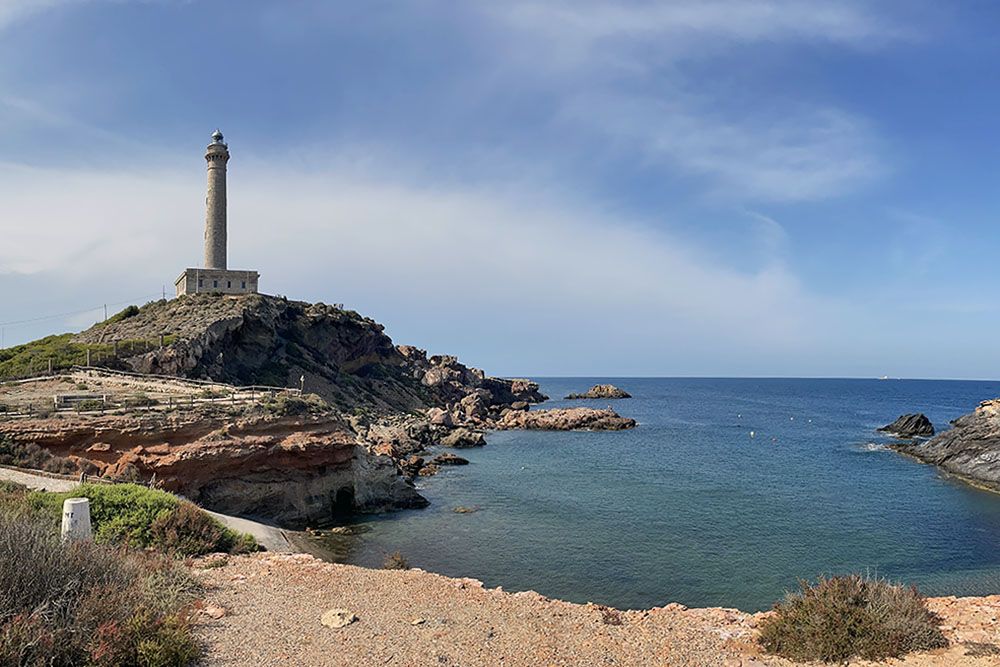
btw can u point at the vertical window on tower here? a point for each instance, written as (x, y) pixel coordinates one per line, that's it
(200, 281)
(229, 283)
(215, 283)
(244, 285)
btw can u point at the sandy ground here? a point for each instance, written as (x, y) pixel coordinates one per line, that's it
(269, 609)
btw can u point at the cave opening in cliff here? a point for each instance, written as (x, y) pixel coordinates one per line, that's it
(343, 502)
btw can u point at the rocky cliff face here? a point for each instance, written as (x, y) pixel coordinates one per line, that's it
(344, 357)
(292, 470)
(970, 449)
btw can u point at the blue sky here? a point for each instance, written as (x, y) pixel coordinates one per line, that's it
(688, 187)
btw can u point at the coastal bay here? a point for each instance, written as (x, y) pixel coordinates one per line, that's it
(689, 507)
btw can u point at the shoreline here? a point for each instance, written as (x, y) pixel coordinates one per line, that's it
(268, 607)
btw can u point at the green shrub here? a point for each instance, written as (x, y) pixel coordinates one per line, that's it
(850, 616)
(12, 488)
(143, 400)
(67, 604)
(90, 405)
(123, 314)
(137, 516)
(288, 405)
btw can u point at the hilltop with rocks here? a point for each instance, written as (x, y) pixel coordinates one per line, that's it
(206, 402)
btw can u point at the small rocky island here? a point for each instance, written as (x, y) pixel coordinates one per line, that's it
(566, 419)
(910, 426)
(601, 391)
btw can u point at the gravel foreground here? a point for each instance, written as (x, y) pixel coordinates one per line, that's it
(266, 609)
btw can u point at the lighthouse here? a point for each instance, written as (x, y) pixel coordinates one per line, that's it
(217, 157)
(215, 277)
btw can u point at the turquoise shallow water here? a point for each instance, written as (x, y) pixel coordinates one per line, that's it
(689, 508)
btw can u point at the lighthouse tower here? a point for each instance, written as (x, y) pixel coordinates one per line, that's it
(215, 276)
(217, 156)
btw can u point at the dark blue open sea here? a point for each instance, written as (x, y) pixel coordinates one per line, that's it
(689, 508)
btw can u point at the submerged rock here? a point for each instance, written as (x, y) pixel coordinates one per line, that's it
(970, 449)
(602, 391)
(450, 460)
(910, 426)
(566, 419)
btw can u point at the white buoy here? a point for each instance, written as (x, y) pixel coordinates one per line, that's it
(752, 434)
(76, 519)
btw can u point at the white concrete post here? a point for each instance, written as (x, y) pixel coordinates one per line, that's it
(76, 519)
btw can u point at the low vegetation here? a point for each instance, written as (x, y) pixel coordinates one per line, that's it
(30, 455)
(67, 604)
(840, 618)
(288, 405)
(136, 516)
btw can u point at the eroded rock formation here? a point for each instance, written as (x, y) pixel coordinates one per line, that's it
(293, 471)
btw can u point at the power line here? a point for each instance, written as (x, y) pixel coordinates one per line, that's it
(76, 312)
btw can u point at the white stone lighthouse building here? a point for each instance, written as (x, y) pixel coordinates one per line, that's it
(216, 277)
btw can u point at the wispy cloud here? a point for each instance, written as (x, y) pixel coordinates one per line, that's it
(583, 32)
(799, 154)
(625, 73)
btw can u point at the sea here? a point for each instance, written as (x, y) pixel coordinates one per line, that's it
(728, 493)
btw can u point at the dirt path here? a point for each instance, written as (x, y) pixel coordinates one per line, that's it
(37, 482)
(272, 606)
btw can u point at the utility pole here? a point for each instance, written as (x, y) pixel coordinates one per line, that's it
(105, 312)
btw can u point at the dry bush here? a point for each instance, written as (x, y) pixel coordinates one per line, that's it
(84, 604)
(30, 455)
(188, 531)
(850, 616)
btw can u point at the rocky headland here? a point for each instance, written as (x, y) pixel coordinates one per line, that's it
(343, 357)
(353, 442)
(970, 449)
(601, 391)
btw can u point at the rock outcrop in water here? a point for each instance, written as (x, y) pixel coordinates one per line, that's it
(910, 426)
(971, 448)
(566, 419)
(601, 391)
